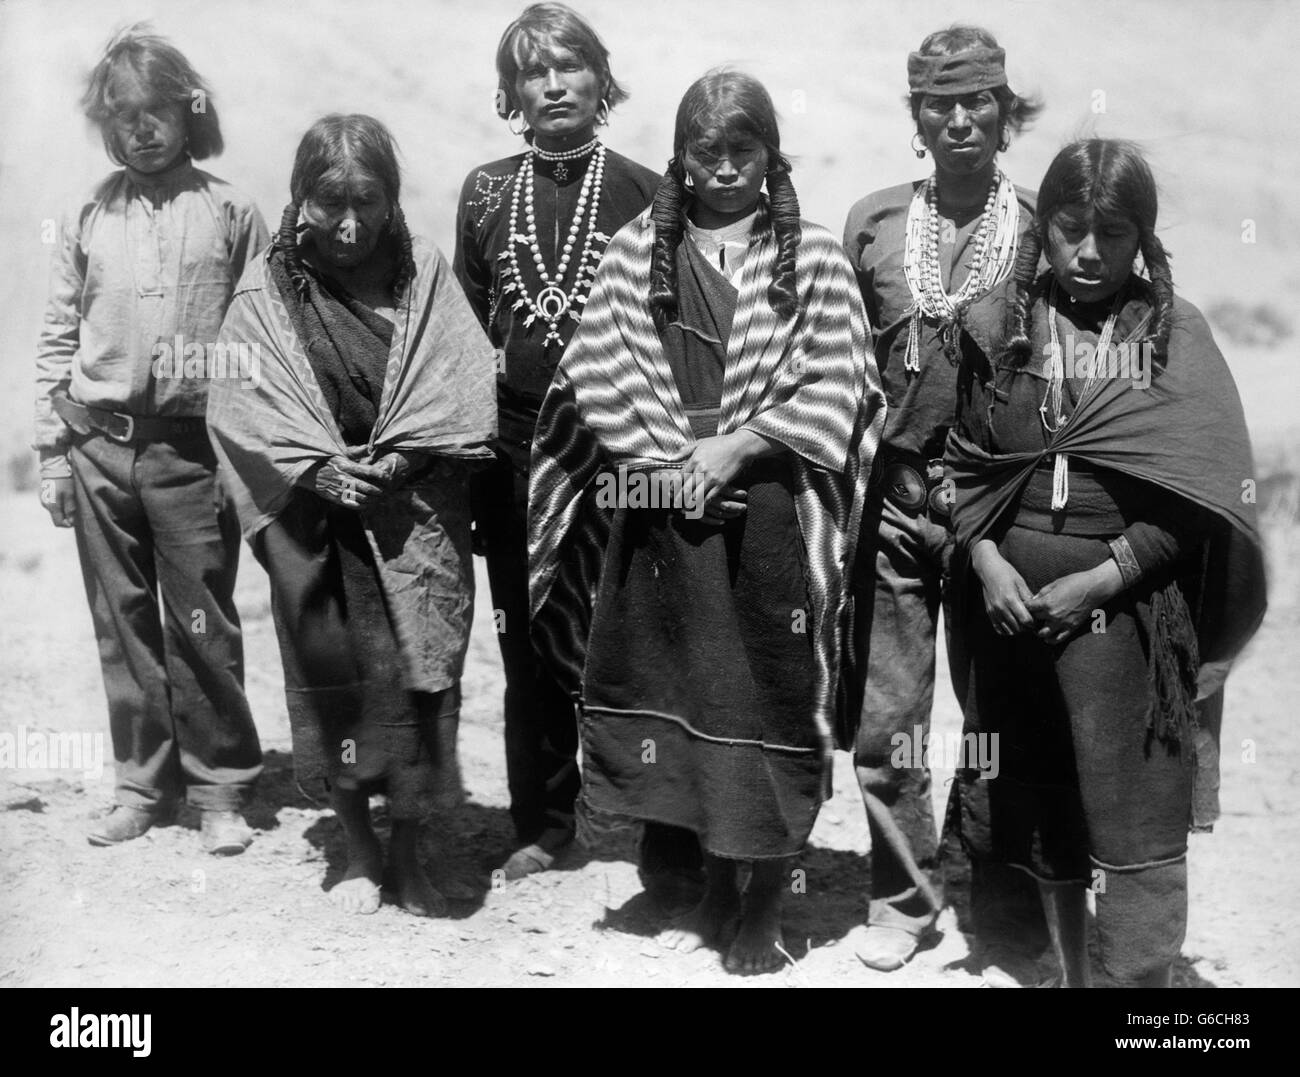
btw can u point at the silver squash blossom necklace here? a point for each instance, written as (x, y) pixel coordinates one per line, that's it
(552, 302)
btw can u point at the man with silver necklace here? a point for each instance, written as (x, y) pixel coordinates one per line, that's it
(530, 231)
(933, 258)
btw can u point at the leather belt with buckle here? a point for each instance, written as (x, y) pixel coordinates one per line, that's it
(126, 428)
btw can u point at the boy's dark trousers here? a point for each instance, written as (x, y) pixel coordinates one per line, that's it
(152, 519)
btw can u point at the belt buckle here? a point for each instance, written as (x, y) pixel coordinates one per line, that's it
(130, 427)
(939, 501)
(905, 487)
(940, 493)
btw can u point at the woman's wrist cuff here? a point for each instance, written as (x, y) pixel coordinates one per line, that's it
(1129, 569)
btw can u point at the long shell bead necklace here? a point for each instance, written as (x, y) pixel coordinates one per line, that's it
(552, 303)
(991, 261)
(1052, 410)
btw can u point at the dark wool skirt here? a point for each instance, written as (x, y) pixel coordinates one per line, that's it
(1083, 791)
(354, 725)
(696, 707)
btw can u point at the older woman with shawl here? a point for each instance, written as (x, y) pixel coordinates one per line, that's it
(1098, 474)
(725, 342)
(348, 450)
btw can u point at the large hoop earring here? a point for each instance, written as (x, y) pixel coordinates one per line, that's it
(918, 150)
(602, 114)
(523, 126)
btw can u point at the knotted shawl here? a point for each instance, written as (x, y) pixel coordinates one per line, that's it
(1186, 433)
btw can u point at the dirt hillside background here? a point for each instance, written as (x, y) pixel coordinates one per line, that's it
(1202, 85)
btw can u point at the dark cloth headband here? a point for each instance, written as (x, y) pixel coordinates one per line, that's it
(979, 68)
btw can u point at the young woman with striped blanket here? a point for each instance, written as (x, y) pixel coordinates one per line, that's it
(723, 360)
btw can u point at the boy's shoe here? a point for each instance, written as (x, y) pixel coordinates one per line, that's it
(225, 833)
(126, 823)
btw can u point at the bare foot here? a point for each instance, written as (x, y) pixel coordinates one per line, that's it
(705, 924)
(451, 886)
(755, 949)
(358, 895)
(359, 890)
(415, 893)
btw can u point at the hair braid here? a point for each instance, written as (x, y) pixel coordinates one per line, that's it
(1019, 311)
(1162, 285)
(667, 217)
(405, 257)
(286, 240)
(783, 292)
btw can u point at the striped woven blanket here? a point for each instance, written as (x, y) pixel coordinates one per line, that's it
(809, 383)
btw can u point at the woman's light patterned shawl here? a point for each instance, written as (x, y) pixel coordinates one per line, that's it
(809, 383)
(438, 395)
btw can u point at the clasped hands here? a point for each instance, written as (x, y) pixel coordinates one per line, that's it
(1056, 611)
(709, 469)
(346, 481)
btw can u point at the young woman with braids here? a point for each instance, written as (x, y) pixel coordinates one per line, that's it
(529, 234)
(934, 260)
(349, 455)
(724, 352)
(1098, 502)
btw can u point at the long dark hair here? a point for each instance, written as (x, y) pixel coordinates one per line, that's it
(332, 143)
(540, 28)
(1015, 112)
(161, 66)
(1112, 179)
(734, 104)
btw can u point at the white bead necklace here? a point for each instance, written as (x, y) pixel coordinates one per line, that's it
(552, 303)
(1053, 398)
(991, 262)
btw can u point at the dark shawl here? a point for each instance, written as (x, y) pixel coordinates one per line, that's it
(1185, 433)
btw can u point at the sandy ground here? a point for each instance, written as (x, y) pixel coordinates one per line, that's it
(162, 912)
